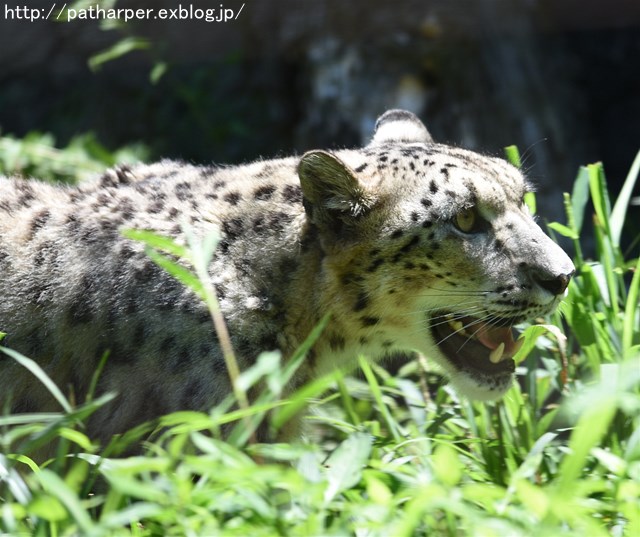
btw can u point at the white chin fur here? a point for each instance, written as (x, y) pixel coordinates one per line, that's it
(470, 388)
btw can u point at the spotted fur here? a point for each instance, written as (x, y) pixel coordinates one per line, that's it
(376, 236)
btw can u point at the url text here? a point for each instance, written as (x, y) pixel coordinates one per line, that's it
(186, 12)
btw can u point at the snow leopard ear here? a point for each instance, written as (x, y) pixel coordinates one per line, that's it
(333, 197)
(400, 126)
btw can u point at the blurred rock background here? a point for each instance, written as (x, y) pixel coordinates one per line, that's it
(559, 78)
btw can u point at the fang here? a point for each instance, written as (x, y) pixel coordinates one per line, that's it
(496, 354)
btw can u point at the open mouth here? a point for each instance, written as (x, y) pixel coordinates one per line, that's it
(471, 344)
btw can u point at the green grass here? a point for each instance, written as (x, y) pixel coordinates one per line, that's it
(36, 155)
(390, 455)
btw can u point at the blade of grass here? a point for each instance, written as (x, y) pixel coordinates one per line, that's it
(96, 375)
(579, 198)
(130, 515)
(159, 242)
(572, 223)
(122, 47)
(347, 402)
(600, 195)
(620, 208)
(179, 272)
(23, 419)
(602, 240)
(52, 430)
(300, 398)
(303, 349)
(54, 485)
(630, 312)
(344, 465)
(377, 395)
(590, 428)
(278, 379)
(16, 485)
(513, 155)
(38, 372)
(201, 254)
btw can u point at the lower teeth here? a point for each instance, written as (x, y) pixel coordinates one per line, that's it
(497, 354)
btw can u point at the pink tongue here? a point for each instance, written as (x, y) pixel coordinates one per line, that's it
(491, 337)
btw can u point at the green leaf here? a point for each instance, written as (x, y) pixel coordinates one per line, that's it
(157, 241)
(136, 488)
(11, 479)
(513, 155)
(202, 249)
(77, 438)
(301, 352)
(533, 498)
(573, 226)
(180, 273)
(613, 463)
(564, 230)
(344, 466)
(589, 430)
(131, 515)
(630, 322)
(48, 507)
(580, 197)
(531, 335)
(121, 48)
(39, 373)
(530, 202)
(158, 71)
(55, 486)
(446, 465)
(299, 400)
(265, 363)
(600, 195)
(377, 490)
(622, 203)
(377, 395)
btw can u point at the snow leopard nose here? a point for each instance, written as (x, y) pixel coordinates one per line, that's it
(555, 284)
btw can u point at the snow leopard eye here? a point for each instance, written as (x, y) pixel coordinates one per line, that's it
(467, 220)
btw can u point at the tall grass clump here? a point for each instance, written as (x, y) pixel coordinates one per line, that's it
(387, 454)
